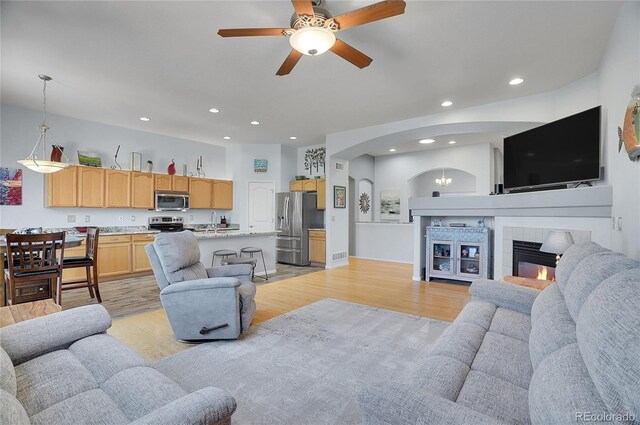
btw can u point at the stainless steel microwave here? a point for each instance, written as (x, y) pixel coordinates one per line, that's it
(166, 200)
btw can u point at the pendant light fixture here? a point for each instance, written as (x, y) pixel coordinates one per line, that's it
(33, 162)
(443, 181)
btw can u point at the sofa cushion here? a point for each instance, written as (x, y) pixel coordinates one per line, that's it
(140, 390)
(460, 341)
(7, 374)
(11, 411)
(90, 407)
(179, 255)
(596, 268)
(512, 324)
(552, 331)
(50, 379)
(608, 331)
(495, 397)
(549, 298)
(443, 376)
(104, 356)
(571, 258)
(479, 313)
(505, 358)
(561, 388)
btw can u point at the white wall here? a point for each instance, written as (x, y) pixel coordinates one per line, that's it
(423, 185)
(18, 135)
(619, 73)
(394, 172)
(336, 219)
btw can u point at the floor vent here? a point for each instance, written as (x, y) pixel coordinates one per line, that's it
(339, 256)
(339, 166)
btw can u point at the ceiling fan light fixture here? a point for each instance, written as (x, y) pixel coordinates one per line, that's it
(312, 41)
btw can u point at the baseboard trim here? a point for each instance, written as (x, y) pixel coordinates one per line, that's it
(382, 259)
(271, 273)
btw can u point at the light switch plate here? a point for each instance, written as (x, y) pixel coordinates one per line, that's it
(87, 218)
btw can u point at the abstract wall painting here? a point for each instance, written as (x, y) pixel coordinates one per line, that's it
(10, 186)
(390, 205)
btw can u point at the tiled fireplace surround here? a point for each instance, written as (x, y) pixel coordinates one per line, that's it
(529, 234)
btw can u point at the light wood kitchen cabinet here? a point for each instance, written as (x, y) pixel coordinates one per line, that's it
(222, 195)
(317, 246)
(114, 255)
(62, 188)
(309, 185)
(322, 194)
(162, 182)
(91, 187)
(117, 189)
(142, 190)
(75, 274)
(295, 185)
(139, 260)
(180, 183)
(201, 193)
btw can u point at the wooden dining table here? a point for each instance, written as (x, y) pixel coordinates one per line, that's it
(69, 242)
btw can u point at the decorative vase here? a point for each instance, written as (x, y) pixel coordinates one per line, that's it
(171, 169)
(56, 153)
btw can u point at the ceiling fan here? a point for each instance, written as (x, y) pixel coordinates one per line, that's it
(313, 29)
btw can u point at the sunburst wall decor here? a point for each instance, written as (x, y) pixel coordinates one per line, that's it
(365, 203)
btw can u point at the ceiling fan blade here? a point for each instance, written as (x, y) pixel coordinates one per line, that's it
(303, 7)
(250, 32)
(374, 12)
(351, 54)
(289, 62)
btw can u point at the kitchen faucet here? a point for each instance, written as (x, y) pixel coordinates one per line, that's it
(214, 220)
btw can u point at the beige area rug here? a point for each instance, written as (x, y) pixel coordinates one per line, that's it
(308, 366)
(136, 295)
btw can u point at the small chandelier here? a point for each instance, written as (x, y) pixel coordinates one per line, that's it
(32, 162)
(443, 181)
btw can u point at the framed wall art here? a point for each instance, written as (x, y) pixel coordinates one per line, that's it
(339, 197)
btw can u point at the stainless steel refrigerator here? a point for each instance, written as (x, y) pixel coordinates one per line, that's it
(296, 213)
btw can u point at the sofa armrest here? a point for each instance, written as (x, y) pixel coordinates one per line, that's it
(204, 407)
(32, 338)
(231, 270)
(502, 294)
(385, 404)
(201, 284)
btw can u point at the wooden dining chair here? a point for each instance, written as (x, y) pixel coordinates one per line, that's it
(89, 262)
(34, 269)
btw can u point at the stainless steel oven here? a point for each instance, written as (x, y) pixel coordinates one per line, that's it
(166, 200)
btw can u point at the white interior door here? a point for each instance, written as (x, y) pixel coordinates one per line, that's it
(261, 206)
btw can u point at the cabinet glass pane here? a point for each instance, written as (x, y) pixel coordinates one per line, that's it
(441, 254)
(469, 258)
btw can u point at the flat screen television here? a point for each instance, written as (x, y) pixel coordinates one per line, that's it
(561, 152)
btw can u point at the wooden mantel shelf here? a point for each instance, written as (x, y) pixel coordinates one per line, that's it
(577, 202)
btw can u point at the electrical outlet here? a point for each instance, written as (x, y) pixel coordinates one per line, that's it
(333, 218)
(121, 218)
(87, 218)
(191, 217)
(133, 218)
(71, 219)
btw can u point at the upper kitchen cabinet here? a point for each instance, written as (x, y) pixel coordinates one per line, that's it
(62, 188)
(162, 182)
(295, 186)
(222, 195)
(142, 190)
(117, 189)
(180, 183)
(309, 185)
(322, 194)
(91, 187)
(201, 192)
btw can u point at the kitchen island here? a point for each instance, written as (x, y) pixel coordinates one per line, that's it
(210, 241)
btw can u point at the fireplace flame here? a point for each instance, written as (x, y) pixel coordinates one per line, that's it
(542, 273)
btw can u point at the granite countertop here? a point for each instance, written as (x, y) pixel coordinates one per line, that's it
(318, 229)
(229, 234)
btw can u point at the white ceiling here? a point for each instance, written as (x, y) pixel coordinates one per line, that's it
(113, 62)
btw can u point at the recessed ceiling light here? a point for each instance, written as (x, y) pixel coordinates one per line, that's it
(293, 138)
(426, 141)
(447, 103)
(227, 137)
(214, 110)
(144, 119)
(255, 122)
(392, 150)
(516, 81)
(452, 142)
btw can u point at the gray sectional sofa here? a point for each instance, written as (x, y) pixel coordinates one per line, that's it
(64, 369)
(515, 355)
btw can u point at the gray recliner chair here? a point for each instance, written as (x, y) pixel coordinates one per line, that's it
(201, 303)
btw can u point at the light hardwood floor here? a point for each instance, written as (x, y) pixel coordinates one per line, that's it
(374, 283)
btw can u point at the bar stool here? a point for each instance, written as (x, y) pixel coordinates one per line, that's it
(224, 253)
(89, 261)
(253, 250)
